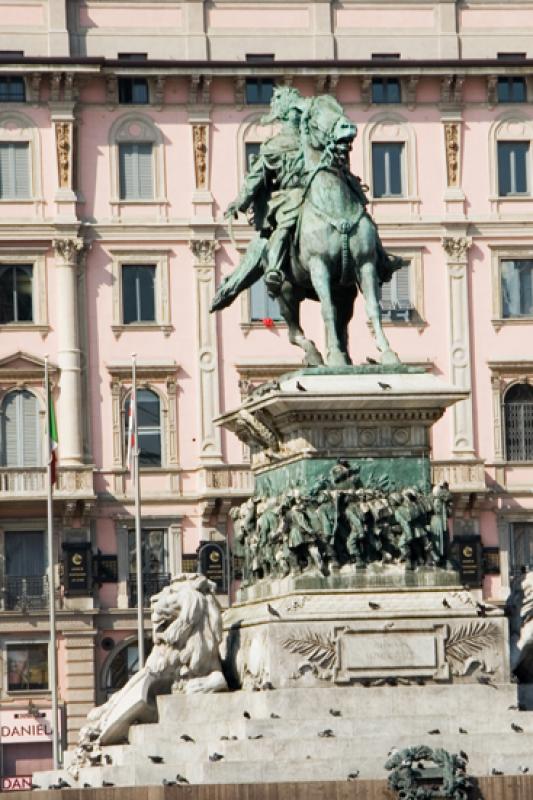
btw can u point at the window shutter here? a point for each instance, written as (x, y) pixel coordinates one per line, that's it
(30, 430)
(21, 169)
(6, 174)
(386, 295)
(126, 170)
(146, 190)
(10, 445)
(403, 297)
(261, 305)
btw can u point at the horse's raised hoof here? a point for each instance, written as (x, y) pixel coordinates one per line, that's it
(390, 357)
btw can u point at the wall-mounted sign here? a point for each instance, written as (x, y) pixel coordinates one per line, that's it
(491, 560)
(77, 569)
(20, 783)
(105, 569)
(17, 726)
(212, 564)
(468, 551)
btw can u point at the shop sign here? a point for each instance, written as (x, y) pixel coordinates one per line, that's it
(77, 569)
(212, 564)
(18, 726)
(19, 783)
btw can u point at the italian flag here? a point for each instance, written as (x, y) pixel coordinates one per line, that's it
(54, 440)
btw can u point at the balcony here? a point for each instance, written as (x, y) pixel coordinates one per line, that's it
(25, 594)
(229, 480)
(465, 477)
(29, 483)
(152, 584)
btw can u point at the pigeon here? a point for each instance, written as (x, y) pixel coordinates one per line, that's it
(481, 610)
(215, 757)
(108, 759)
(259, 736)
(168, 783)
(495, 771)
(353, 775)
(327, 733)
(300, 387)
(517, 707)
(516, 728)
(462, 730)
(486, 681)
(335, 712)
(523, 769)
(373, 606)
(371, 360)
(384, 386)
(34, 786)
(181, 779)
(272, 610)
(233, 738)
(186, 738)
(156, 759)
(445, 603)
(275, 716)
(247, 715)
(107, 783)
(267, 686)
(87, 786)
(224, 738)
(463, 755)
(420, 681)
(63, 784)
(434, 732)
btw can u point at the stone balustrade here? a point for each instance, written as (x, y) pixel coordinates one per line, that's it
(30, 482)
(235, 481)
(462, 476)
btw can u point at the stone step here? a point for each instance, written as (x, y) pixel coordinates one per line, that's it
(382, 701)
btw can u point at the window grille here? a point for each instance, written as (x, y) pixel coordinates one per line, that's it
(518, 406)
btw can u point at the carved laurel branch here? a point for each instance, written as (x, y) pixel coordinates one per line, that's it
(319, 649)
(468, 641)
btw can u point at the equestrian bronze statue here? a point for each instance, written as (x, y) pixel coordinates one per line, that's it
(315, 239)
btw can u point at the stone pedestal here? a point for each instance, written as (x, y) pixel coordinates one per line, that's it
(353, 443)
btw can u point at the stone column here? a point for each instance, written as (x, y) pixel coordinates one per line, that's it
(456, 249)
(80, 679)
(67, 255)
(208, 380)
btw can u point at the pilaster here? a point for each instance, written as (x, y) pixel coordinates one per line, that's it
(68, 253)
(208, 379)
(454, 197)
(200, 121)
(456, 249)
(63, 120)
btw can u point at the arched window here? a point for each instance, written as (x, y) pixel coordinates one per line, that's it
(137, 154)
(123, 664)
(518, 405)
(510, 140)
(20, 439)
(148, 426)
(19, 158)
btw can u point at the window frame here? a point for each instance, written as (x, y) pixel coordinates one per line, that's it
(391, 127)
(511, 126)
(161, 428)
(388, 172)
(137, 128)
(261, 81)
(12, 643)
(18, 266)
(121, 84)
(39, 454)
(161, 260)
(499, 254)
(511, 80)
(416, 288)
(513, 193)
(385, 82)
(20, 78)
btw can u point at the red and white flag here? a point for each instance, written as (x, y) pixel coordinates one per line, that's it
(131, 429)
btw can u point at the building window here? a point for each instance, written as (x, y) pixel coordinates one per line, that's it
(517, 288)
(386, 90)
(135, 171)
(148, 427)
(521, 550)
(138, 293)
(133, 91)
(133, 56)
(513, 168)
(12, 89)
(261, 305)
(123, 665)
(14, 170)
(251, 152)
(156, 576)
(20, 434)
(518, 406)
(259, 91)
(512, 90)
(259, 58)
(395, 296)
(27, 667)
(387, 169)
(16, 300)
(25, 566)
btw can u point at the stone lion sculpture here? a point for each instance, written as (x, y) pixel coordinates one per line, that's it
(186, 633)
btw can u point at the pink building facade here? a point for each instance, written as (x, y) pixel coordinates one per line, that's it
(125, 130)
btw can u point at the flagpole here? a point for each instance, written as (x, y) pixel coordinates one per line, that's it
(51, 577)
(138, 533)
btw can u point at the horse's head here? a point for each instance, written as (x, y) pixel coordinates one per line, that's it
(326, 127)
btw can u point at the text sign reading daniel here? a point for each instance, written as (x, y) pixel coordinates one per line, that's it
(17, 726)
